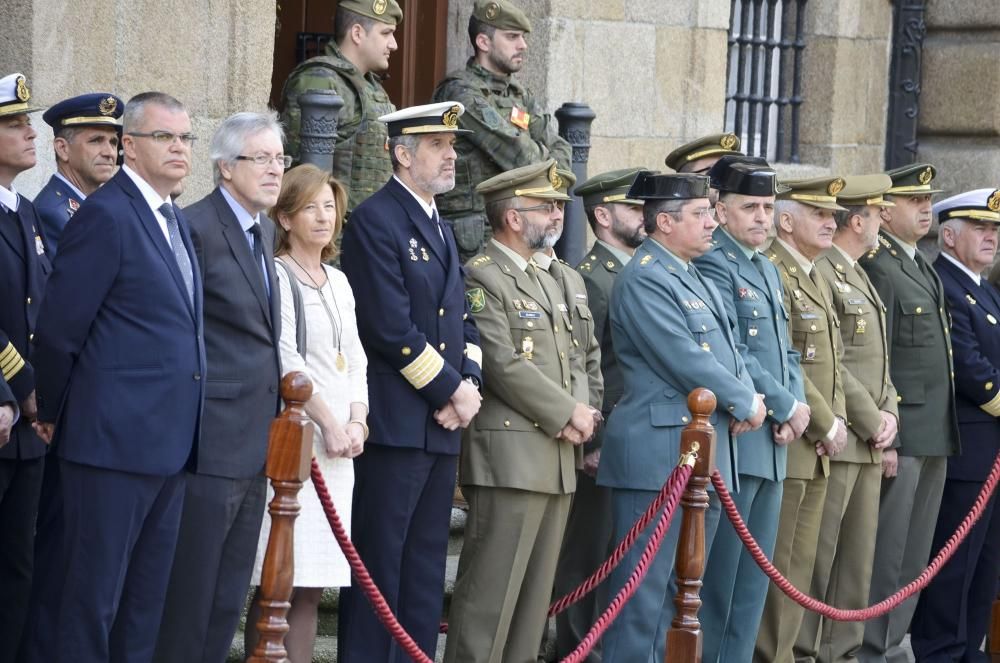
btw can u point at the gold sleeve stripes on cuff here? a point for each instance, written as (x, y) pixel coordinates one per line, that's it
(10, 362)
(475, 353)
(424, 368)
(993, 407)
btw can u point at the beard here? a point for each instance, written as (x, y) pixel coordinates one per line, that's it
(434, 184)
(630, 237)
(505, 64)
(539, 237)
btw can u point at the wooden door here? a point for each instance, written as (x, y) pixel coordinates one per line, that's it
(304, 26)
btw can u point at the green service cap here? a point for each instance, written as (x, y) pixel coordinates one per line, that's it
(912, 180)
(861, 190)
(706, 146)
(568, 180)
(537, 180)
(502, 15)
(609, 187)
(817, 192)
(386, 11)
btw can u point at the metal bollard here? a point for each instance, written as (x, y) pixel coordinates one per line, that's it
(574, 125)
(318, 128)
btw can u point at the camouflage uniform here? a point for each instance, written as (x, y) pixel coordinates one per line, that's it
(496, 145)
(360, 159)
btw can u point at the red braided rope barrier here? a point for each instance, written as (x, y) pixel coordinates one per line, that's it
(677, 482)
(605, 569)
(886, 604)
(632, 584)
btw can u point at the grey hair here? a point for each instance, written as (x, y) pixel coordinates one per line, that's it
(653, 208)
(409, 141)
(844, 215)
(956, 226)
(135, 109)
(231, 137)
(496, 211)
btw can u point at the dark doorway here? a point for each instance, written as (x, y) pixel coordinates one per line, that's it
(304, 26)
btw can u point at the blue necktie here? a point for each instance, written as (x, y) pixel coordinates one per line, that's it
(180, 253)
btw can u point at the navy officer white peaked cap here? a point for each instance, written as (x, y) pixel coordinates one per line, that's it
(978, 205)
(427, 119)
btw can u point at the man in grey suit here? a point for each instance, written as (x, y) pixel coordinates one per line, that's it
(224, 498)
(671, 335)
(752, 291)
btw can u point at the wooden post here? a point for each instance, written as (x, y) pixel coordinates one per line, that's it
(994, 636)
(684, 637)
(289, 456)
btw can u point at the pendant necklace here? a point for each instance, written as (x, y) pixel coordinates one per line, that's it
(341, 361)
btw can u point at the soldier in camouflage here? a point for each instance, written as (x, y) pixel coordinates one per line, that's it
(510, 127)
(350, 66)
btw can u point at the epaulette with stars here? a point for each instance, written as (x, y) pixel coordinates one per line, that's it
(585, 267)
(479, 261)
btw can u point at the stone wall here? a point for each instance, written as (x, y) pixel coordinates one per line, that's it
(959, 130)
(214, 57)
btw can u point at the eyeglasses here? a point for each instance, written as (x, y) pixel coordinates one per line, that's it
(704, 212)
(166, 138)
(282, 160)
(548, 207)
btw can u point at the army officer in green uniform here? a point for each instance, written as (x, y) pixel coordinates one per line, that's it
(363, 40)
(510, 127)
(805, 229)
(518, 462)
(671, 335)
(843, 567)
(921, 368)
(751, 289)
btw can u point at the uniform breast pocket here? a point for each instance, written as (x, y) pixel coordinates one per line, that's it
(529, 332)
(702, 326)
(915, 324)
(754, 323)
(809, 332)
(859, 321)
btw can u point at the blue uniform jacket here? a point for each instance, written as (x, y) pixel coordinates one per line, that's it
(975, 341)
(23, 271)
(119, 356)
(754, 300)
(413, 318)
(672, 335)
(55, 204)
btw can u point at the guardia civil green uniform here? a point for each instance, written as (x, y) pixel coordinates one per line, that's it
(517, 476)
(588, 531)
(921, 367)
(510, 129)
(814, 328)
(360, 159)
(844, 556)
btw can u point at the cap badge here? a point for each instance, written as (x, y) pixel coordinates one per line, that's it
(554, 178)
(23, 93)
(379, 7)
(450, 117)
(108, 106)
(925, 176)
(993, 203)
(728, 141)
(835, 187)
(492, 10)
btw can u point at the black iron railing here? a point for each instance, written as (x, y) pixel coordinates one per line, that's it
(765, 76)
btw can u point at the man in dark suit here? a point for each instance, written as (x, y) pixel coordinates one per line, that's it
(954, 610)
(119, 365)
(86, 133)
(423, 377)
(23, 269)
(224, 499)
(920, 367)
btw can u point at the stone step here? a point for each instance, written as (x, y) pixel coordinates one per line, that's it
(325, 650)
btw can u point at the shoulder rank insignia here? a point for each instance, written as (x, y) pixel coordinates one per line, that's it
(476, 298)
(645, 259)
(479, 261)
(884, 242)
(972, 300)
(773, 257)
(586, 267)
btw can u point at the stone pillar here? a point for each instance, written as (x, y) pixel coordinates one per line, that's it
(318, 136)
(574, 125)
(959, 130)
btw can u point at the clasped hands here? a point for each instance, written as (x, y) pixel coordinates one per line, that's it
(582, 425)
(460, 408)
